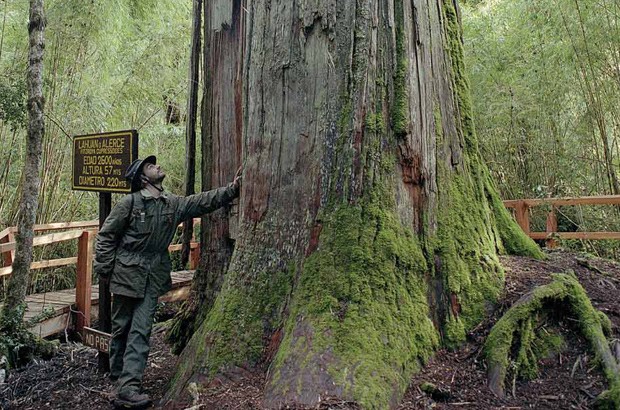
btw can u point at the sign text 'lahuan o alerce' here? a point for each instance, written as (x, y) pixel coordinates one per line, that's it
(100, 160)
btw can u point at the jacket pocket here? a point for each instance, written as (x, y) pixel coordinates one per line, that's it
(141, 223)
(129, 274)
(127, 263)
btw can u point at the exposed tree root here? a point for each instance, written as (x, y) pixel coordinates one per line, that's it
(515, 335)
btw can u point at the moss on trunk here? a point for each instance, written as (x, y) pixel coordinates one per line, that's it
(513, 239)
(359, 312)
(237, 328)
(466, 256)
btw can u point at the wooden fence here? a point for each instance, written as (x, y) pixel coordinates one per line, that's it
(522, 215)
(84, 232)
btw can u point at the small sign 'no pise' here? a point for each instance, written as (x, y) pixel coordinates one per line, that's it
(101, 160)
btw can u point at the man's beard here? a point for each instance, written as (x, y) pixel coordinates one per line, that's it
(155, 181)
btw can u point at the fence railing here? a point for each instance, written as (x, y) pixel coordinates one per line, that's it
(84, 232)
(522, 215)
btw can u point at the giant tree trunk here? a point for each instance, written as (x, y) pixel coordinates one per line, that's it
(368, 228)
(16, 293)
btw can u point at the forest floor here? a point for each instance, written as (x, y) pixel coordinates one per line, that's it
(568, 380)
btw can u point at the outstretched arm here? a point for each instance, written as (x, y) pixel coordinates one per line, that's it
(196, 205)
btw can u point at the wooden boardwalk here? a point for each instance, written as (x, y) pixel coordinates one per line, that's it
(51, 313)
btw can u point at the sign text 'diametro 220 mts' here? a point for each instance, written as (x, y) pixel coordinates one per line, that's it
(100, 160)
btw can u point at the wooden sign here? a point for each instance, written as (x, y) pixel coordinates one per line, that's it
(98, 340)
(101, 160)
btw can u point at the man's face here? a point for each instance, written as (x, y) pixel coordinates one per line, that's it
(153, 172)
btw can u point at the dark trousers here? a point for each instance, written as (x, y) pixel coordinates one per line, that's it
(132, 322)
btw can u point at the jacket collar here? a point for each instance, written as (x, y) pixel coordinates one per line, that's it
(146, 194)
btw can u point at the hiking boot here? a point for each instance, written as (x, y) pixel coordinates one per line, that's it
(132, 400)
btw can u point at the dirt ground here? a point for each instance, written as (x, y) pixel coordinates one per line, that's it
(569, 380)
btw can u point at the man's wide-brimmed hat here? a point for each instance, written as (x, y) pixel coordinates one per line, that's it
(135, 170)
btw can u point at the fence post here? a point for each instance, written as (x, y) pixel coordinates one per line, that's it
(194, 256)
(194, 251)
(8, 257)
(552, 228)
(83, 284)
(522, 216)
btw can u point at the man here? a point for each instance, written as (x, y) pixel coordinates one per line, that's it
(132, 254)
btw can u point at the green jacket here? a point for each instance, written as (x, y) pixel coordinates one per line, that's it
(132, 245)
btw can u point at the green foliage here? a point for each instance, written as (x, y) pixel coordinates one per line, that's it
(545, 100)
(522, 80)
(109, 65)
(13, 102)
(46, 313)
(11, 341)
(54, 278)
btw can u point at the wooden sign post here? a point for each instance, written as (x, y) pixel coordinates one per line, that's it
(105, 297)
(100, 162)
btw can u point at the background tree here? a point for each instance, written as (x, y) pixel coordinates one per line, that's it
(190, 127)
(11, 328)
(368, 227)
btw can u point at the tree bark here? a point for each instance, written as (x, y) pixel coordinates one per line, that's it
(368, 227)
(13, 307)
(221, 133)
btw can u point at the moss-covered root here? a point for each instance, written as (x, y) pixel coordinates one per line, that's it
(609, 399)
(565, 292)
(17, 344)
(184, 324)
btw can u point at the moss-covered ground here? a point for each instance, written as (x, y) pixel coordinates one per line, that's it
(457, 376)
